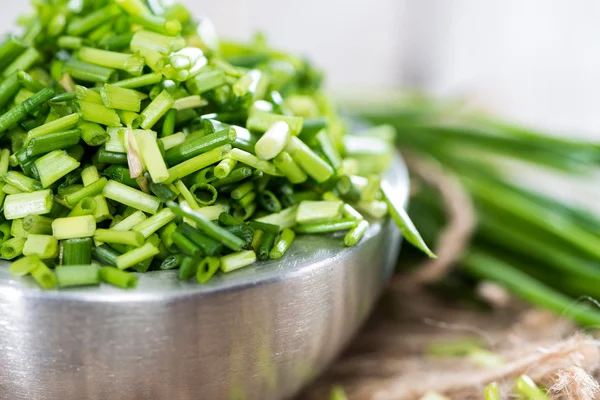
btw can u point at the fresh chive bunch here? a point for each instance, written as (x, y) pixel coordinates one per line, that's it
(132, 138)
(541, 249)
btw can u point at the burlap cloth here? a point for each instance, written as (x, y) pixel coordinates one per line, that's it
(388, 361)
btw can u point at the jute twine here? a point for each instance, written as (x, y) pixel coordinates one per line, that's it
(388, 361)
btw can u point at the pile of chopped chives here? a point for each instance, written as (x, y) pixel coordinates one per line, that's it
(132, 140)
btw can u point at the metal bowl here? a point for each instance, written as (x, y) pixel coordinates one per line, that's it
(259, 333)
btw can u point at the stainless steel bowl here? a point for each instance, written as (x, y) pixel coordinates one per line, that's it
(260, 333)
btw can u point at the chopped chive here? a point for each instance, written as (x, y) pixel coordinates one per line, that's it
(318, 211)
(117, 277)
(92, 133)
(29, 82)
(89, 95)
(261, 121)
(121, 98)
(327, 227)
(209, 228)
(212, 212)
(172, 141)
(139, 81)
(25, 61)
(205, 81)
(156, 110)
(10, 48)
(268, 201)
(80, 26)
(94, 112)
(197, 146)
(199, 162)
(74, 227)
(129, 238)
(77, 275)
(242, 190)
(17, 230)
(251, 160)
(207, 269)
(44, 276)
(328, 147)
(238, 260)
(133, 64)
(266, 245)
(21, 182)
(10, 189)
(370, 191)
(204, 193)
(188, 269)
(5, 229)
(282, 244)
(69, 42)
(109, 157)
(492, 392)
(309, 161)
(43, 246)
(376, 209)
(53, 141)
(257, 239)
(37, 224)
(115, 141)
(247, 199)
(284, 219)
(148, 148)
(129, 222)
(226, 219)
(63, 97)
(54, 165)
(24, 204)
(21, 110)
(135, 256)
(84, 71)
(289, 168)
(76, 251)
(12, 248)
(189, 102)
(272, 143)
(186, 245)
(131, 197)
(356, 234)
(154, 223)
(8, 88)
(224, 168)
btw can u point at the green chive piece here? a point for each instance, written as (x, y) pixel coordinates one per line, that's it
(147, 145)
(53, 141)
(224, 168)
(409, 231)
(84, 71)
(85, 24)
(356, 234)
(129, 238)
(327, 227)
(92, 133)
(251, 160)
(309, 161)
(282, 244)
(131, 197)
(207, 245)
(54, 165)
(238, 260)
(97, 112)
(272, 143)
(133, 64)
(156, 110)
(21, 110)
(21, 182)
(24, 204)
(207, 269)
(136, 256)
(197, 146)
(121, 98)
(492, 392)
(118, 278)
(285, 163)
(172, 141)
(284, 219)
(209, 228)
(44, 277)
(526, 387)
(318, 211)
(150, 225)
(188, 269)
(12, 248)
(129, 222)
(37, 224)
(76, 251)
(77, 275)
(266, 245)
(261, 121)
(74, 227)
(204, 193)
(197, 163)
(139, 81)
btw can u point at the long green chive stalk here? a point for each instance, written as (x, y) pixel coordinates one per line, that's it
(131, 140)
(540, 249)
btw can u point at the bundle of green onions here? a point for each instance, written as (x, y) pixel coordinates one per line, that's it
(542, 250)
(133, 139)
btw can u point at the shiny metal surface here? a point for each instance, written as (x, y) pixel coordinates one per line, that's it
(259, 333)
